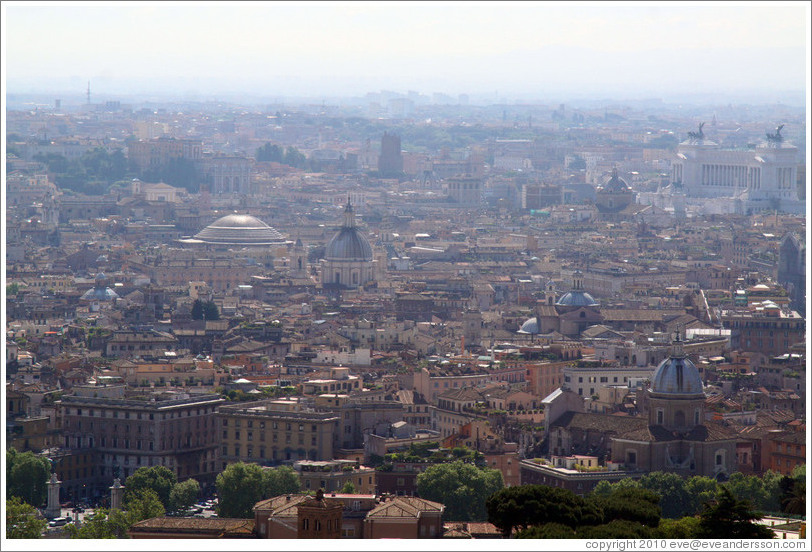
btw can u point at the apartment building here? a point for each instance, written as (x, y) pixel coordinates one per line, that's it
(172, 430)
(269, 432)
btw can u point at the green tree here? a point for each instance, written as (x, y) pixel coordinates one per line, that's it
(700, 489)
(239, 487)
(98, 526)
(205, 310)
(462, 488)
(532, 505)
(26, 476)
(727, 517)
(270, 152)
(670, 487)
(547, 531)
(348, 488)
(630, 504)
(748, 487)
(615, 529)
(12, 289)
(157, 478)
(181, 173)
(279, 481)
(793, 499)
(21, 520)
(183, 495)
(294, 158)
(772, 488)
(114, 524)
(144, 504)
(683, 528)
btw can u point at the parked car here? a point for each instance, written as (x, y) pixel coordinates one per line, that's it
(58, 522)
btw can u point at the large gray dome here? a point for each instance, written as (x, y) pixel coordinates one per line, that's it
(577, 298)
(677, 375)
(240, 230)
(348, 244)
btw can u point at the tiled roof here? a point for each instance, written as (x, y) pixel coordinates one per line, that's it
(599, 422)
(220, 527)
(395, 508)
(422, 504)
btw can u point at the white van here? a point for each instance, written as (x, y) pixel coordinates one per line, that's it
(58, 522)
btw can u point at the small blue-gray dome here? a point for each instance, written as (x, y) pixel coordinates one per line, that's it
(577, 298)
(677, 375)
(99, 294)
(530, 326)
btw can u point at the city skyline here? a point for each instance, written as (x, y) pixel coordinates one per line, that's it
(533, 50)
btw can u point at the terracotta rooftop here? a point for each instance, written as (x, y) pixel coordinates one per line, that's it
(213, 527)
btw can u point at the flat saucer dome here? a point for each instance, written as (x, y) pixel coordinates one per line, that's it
(240, 230)
(577, 298)
(676, 375)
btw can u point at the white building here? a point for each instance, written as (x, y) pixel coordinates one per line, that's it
(744, 181)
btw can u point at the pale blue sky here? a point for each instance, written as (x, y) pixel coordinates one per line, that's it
(336, 48)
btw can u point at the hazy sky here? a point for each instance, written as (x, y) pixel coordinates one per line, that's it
(348, 48)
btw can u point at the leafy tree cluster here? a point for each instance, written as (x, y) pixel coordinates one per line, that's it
(27, 476)
(241, 485)
(22, 521)
(462, 487)
(287, 156)
(178, 172)
(625, 511)
(681, 497)
(205, 310)
(114, 524)
(91, 174)
(173, 496)
(431, 452)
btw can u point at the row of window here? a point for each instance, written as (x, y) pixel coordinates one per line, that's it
(114, 413)
(274, 437)
(274, 425)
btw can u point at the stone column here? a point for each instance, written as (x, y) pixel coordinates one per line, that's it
(54, 509)
(116, 494)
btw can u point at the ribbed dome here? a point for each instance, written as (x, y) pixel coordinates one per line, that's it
(615, 184)
(577, 298)
(348, 244)
(240, 230)
(99, 294)
(677, 375)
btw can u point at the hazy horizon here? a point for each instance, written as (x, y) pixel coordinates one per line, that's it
(509, 51)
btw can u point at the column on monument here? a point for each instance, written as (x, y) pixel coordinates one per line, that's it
(53, 509)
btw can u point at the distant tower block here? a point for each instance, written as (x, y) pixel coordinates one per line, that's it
(390, 162)
(472, 328)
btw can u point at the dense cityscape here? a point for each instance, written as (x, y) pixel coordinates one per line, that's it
(404, 315)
